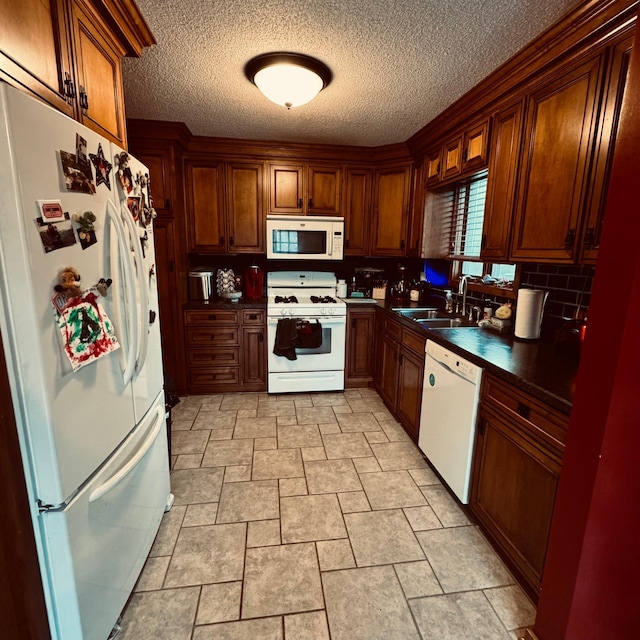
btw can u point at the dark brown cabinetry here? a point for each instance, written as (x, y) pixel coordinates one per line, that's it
(225, 350)
(225, 206)
(517, 460)
(301, 189)
(391, 211)
(357, 211)
(359, 347)
(67, 53)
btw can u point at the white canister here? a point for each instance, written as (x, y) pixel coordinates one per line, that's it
(529, 309)
(341, 289)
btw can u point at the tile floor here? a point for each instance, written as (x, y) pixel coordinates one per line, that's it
(314, 517)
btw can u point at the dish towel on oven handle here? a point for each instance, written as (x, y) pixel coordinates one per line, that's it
(309, 334)
(286, 338)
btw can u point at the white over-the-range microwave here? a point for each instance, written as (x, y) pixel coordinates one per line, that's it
(305, 238)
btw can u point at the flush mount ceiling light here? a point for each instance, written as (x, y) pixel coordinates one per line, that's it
(288, 79)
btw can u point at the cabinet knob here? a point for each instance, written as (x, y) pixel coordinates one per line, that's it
(221, 240)
(310, 203)
(590, 238)
(253, 316)
(570, 239)
(211, 316)
(299, 203)
(69, 88)
(402, 244)
(261, 337)
(84, 99)
(231, 241)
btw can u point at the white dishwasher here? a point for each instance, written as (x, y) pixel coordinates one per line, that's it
(450, 396)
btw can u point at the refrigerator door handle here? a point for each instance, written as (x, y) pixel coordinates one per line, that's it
(132, 311)
(143, 295)
(122, 473)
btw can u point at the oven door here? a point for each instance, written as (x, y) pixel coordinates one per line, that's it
(315, 369)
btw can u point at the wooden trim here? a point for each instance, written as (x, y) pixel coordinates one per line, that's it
(128, 24)
(149, 131)
(529, 635)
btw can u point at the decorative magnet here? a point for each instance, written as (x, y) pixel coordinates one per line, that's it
(103, 285)
(56, 235)
(103, 167)
(77, 174)
(125, 177)
(69, 283)
(86, 233)
(51, 210)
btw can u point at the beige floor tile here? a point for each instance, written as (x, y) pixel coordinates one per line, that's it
(313, 453)
(228, 452)
(265, 444)
(181, 425)
(191, 486)
(200, 514)
(301, 400)
(306, 626)
(350, 394)
(382, 537)
(352, 422)
(457, 615)
(376, 437)
(367, 604)
(445, 507)
(215, 420)
(239, 401)
(422, 518)
(153, 573)
(265, 629)
(279, 463)
(219, 603)
(366, 392)
(328, 399)
(309, 518)
(398, 455)
(331, 476)
(172, 461)
(292, 487)
(424, 476)
(255, 428)
(283, 579)
(366, 465)
(247, 413)
(342, 409)
(286, 421)
(462, 559)
(189, 441)
(263, 533)
(315, 415)
(367, 405)
(238, 473)
(394, 431)
(346, 445)
(512, 606)
(353, 501)
(168, 532)
(207, 554)
(391, 490)
(277, 409)
(332, 427)
(188, 461)
(244, 501)
(335, 554)
(296, 436)
(162, 615)
(184, 411)
(211, 403)
(221, 434)
(417, 579)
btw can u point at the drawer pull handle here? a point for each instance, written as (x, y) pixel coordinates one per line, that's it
(212, 316)
(253, 316)
(523, 410)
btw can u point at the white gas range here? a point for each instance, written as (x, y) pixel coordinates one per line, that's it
(307, 327)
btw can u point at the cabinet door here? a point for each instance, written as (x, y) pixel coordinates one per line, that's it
(325, 184)
(99, 75)
(254, 370)
(475, 146)
(359, 354)
(432, 164)
(245, 210)
(451, 158)
(205, 206)
(356, 209)
(501, 183)
(160, 165)
(388, 374)
(416, 217)
(286, 188)
(513, 493)
(559, 134)
(605, 145)
(35, 51)
(391, 210)
(410, 377)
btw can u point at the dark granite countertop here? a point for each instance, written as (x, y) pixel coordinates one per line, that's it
(217, 303)
(534, 367)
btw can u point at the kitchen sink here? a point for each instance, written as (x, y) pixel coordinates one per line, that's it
(417, 313)
(432, 318)
(442, 323)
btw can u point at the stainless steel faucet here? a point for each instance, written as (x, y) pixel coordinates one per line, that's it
(462, 289)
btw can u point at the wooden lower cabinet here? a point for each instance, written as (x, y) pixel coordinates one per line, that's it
(225, 350)
(359, 352)
(516, 469)
(409, 401)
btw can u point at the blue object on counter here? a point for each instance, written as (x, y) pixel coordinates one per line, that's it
(356, 294)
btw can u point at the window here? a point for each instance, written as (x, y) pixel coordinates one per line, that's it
(467, 217)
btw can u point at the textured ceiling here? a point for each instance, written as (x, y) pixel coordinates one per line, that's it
(396, 64)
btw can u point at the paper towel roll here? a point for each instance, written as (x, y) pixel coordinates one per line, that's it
(529, 308)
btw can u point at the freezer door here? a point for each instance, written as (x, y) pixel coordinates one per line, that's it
(74, 420)
(148, 377)
(97, 546)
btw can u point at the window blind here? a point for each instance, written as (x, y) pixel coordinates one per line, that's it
(467, 217)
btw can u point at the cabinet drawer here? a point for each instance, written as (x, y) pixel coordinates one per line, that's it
(213, 337)
(219, 316)
(253, 316)
(213, 357)
(214, 376)
(393, 329)
(414, 341)
(524, 410)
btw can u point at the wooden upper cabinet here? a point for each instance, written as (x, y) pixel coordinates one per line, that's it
(432, 163)
(245, 210)
(205, 206)
(35, 51)
(160, 165)
(451, 158)
(357, 211)
(605, 144)
(391, 211)
(301, 189)
(501, 184)
(475, 147)
(559, 135)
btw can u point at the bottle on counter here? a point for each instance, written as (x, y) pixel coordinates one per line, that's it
(448, 301)
(488, 310)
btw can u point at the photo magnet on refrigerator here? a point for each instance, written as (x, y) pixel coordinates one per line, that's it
(103, 168)
(77, 175)
(56, 235)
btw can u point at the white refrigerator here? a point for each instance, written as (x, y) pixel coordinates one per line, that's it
(85, 369)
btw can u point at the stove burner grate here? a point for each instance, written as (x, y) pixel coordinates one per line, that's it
(323, 300)
(286, 300)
